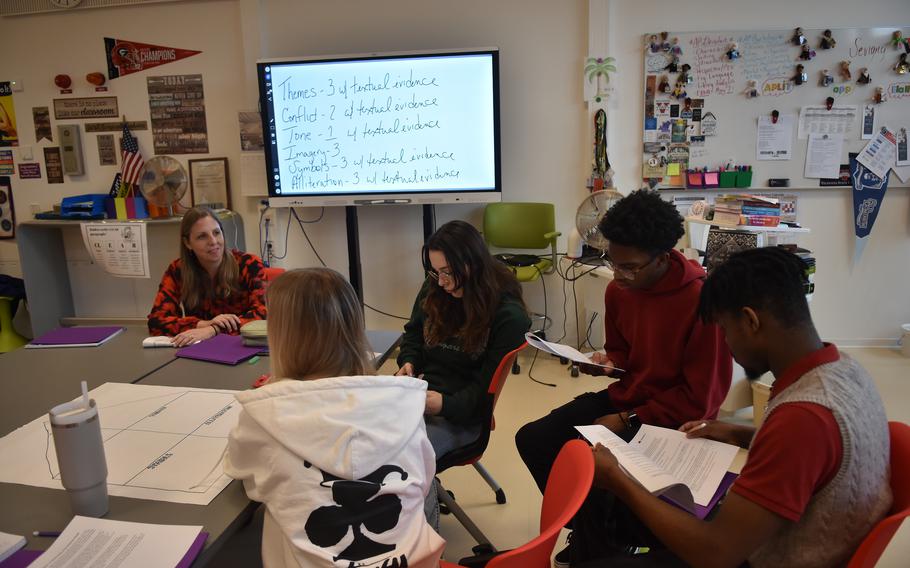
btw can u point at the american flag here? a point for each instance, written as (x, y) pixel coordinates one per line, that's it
(132, 162)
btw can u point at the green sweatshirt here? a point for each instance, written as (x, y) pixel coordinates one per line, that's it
(462, 378)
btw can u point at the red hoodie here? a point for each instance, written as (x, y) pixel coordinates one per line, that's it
(677, 368)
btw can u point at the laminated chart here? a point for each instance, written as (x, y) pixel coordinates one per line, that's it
(161, 443)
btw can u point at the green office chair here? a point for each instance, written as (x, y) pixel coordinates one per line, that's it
(523, 226)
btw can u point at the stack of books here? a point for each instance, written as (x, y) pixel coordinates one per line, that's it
(746, 209)
(728, 209)
(255, 334)
(761, 211)
(809, 260)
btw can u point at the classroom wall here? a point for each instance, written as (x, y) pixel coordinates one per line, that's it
(38, 47)
(545, 132)
(861, 304)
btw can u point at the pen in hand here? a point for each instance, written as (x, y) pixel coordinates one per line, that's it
(699, 427)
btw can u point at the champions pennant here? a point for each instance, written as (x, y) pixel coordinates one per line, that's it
(125, 57)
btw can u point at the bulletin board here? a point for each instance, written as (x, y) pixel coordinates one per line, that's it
(719, 125)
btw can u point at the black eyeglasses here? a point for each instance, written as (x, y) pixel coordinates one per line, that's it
(444, 274)
(629, 272)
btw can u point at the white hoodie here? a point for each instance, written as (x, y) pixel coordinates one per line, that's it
(343, 465)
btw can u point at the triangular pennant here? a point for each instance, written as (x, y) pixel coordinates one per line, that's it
(125, 57)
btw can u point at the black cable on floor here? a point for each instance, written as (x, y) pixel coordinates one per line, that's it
(531, 368)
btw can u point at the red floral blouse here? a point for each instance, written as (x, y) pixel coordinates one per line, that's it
(168, 317)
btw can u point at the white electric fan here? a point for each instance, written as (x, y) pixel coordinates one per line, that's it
(163, 182)
(590, 212)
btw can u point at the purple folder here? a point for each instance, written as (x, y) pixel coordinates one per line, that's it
(702, 512)
(76, 337)
(193, 551)
(223, 348)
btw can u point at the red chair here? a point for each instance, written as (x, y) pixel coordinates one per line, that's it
(878, 538)
(568, 485)
(471, 454)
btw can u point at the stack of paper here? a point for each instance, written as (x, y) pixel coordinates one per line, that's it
(94, 542)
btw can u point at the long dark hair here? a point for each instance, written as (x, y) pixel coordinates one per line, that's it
(483, 280)
(194, 280)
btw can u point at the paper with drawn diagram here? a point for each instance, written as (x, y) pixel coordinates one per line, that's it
(121, 249)
(161, 443)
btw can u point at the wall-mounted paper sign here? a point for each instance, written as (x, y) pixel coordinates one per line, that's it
(86, 107)
(42, 119)
(116, 126)
(53, 164)
(30, 170)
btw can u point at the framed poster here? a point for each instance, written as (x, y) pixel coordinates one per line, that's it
(209, 183)
(7, 213)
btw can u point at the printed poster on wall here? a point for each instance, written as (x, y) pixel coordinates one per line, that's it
(177, 107)
(125, 56)
(107, 155)
(6, 163)
(30, 170)
(42, 119)
(251, 139)
(53, 164)
(9, 136)
(121, 249)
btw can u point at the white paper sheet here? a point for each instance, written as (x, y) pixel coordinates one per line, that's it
(880, 153)
(775, 140)
(117, 544)
(819, 120)
(161, 443)
(658, 457)
(565, 351)
(823, 155)
(121, 249)
(252, 174)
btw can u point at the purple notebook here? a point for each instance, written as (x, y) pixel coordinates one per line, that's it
(23, 558)
(224, 349)
(702, 512)
(76, 337)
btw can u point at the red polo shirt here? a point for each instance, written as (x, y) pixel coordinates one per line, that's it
(798, 450)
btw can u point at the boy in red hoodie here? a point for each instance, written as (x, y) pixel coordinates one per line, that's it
(676, 367)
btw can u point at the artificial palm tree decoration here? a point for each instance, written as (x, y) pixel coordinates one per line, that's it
(597, 67)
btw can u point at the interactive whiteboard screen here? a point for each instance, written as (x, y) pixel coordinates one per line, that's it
(392, 128)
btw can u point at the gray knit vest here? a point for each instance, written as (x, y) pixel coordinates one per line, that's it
(840, 515)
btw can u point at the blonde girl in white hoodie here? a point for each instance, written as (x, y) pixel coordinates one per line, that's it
(338, 455)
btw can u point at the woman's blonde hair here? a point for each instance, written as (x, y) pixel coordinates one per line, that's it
(316, 326)
(195, 284)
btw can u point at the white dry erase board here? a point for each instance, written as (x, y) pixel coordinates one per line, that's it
(722, 121)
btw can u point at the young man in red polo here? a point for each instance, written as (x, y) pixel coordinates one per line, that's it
(817, 476)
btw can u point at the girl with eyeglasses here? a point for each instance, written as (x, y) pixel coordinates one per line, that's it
(468, 315)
